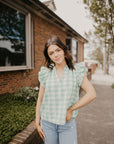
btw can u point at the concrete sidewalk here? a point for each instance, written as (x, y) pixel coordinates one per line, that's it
(95, 121)
(100, 78)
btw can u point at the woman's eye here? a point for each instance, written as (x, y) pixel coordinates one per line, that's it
(50, 53)
(58, 49)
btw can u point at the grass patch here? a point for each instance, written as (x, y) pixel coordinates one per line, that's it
(112, 85)
(15, 115)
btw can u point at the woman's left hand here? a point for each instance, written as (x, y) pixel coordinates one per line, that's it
(69, 115)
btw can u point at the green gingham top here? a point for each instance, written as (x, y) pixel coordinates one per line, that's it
(60, 95)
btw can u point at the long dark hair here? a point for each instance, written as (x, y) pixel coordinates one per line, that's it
(54, 40)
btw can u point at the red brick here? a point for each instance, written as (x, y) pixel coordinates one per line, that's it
(42, 31)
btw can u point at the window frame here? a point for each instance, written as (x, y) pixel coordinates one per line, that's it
(76, 48)
(28, 38)
(71, 48)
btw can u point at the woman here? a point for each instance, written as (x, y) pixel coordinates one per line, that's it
(58, 100)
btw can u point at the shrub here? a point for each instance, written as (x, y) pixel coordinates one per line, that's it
(27, 94)
(112, 85)
(16, 112)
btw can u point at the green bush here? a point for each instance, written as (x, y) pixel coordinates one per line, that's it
(16, 112)
(26, 94)
(112, 85)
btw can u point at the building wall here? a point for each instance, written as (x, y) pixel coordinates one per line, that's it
(91, 66)
(14, 79)
(80, 51)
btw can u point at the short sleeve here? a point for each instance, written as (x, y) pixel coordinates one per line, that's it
(80, 71)
(43, 75)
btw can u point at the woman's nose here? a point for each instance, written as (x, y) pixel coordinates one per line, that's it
(55, 54)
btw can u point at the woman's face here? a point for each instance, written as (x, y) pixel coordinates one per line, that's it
(56, 54)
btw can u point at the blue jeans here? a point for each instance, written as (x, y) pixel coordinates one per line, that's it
(60, 134)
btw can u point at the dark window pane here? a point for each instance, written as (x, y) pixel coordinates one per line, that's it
(68, 43)
(12, 37)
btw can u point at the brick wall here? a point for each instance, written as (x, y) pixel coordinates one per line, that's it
(80, 51)
(14, 79)
(91, 66)
(28, 136)
(42, 30)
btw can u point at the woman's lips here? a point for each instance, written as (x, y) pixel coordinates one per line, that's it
(57, 59)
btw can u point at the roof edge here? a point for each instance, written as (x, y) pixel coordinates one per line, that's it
(44, 12)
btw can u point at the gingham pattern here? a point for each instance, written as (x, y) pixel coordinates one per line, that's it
(60, 95)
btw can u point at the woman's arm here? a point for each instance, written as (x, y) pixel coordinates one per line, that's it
(87, 98)
(38, 106)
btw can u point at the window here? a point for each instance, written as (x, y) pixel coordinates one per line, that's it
(72, 45)
(15, 38)
(74, 50)
(68, 43)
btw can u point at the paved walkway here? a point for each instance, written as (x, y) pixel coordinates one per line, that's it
(95, 122)
(100, 78)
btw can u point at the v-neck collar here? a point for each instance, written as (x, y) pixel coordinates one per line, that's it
(64, 71)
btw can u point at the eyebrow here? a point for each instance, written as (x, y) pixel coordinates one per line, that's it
(55, 50)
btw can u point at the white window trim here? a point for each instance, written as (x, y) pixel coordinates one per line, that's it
(29, 40)
(74, 39)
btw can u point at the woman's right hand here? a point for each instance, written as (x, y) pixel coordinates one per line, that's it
(40, 131)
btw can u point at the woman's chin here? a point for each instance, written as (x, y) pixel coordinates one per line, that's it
(58, 62)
